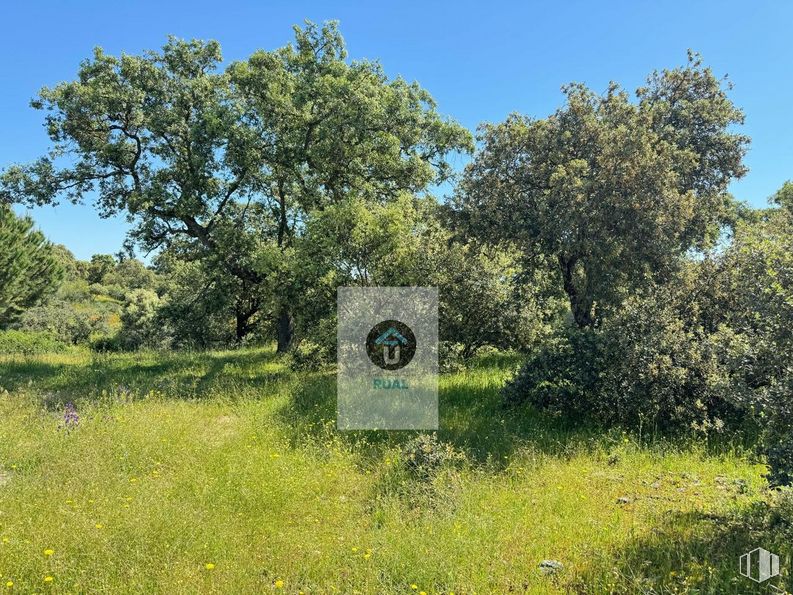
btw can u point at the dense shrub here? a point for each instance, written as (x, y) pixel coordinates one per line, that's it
(29, 342)
(140, 324)
(655, 364)
(74, 323)
(481, 303)
(710, 349)
(756, 298)
(318, 351)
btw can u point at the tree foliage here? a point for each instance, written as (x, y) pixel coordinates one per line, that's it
(29, 270)
(756, 304)
(608, 191)
(190, 151)
(404, 243)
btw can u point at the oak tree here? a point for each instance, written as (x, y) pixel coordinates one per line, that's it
(608, 190)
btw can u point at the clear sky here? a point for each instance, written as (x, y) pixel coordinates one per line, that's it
(480, 60)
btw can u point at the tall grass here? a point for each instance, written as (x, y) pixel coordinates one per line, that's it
(223, 472)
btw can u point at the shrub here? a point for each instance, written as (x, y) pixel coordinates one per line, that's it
(424, 456)
(319, 351)
(756, 290)
(29, 342)
(655, 363)
(141, 325)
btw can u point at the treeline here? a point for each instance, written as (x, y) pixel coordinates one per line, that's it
(601, 240)
(116, 303)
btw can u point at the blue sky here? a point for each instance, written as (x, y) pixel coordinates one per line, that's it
(480, 60)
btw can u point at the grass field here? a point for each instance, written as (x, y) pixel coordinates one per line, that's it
(223, 472)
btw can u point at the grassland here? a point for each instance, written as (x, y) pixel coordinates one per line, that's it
(223, 472)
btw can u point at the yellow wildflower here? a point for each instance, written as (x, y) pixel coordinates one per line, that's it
(279, 584)
(209, 566)
(48, 552)
(48, 579)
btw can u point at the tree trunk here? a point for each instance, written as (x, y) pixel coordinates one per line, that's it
(242, 326)
(580, 304)
(285, 328)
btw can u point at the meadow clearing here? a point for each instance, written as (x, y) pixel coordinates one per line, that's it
(223, 472)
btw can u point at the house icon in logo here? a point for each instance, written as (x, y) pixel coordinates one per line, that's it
(391, 340)
(759, 565)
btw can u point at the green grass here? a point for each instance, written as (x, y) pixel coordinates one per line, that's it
(229, 459)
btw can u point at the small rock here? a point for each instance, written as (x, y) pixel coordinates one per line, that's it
(624, 500)
(551, 566)
(655, 485)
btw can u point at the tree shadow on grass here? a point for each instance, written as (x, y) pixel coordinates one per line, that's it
(192, 375)
(695, 552)
(472, 417)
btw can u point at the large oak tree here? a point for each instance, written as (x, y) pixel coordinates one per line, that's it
(610, 191)
(190, 151)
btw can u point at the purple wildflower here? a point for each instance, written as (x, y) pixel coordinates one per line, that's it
(71, 419)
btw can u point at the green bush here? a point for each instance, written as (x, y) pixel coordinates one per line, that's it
(655, 364)
(425, 456)
(29, 342)
(756, 298)
(141, 325)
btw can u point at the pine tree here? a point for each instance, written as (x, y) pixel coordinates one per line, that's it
(29, 270)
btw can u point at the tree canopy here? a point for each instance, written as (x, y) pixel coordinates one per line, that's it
(224, 157)
(610, 191)
(29, 269)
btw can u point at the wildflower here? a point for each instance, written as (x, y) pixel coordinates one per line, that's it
(99, 526)
(355, 549)
(10, 584)
(367, 555)
(48, 552)
(5, 539)
(414, 587)
(48, 579)
(71, 418)
(209, 566)
(422, 593)
(279, 584)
